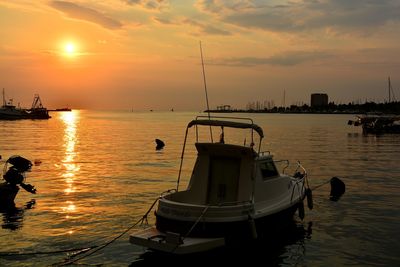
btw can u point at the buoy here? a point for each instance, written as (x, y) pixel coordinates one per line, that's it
(337, 188)
(160, 144)
(252, 226)
(301, 210)
(310, 204)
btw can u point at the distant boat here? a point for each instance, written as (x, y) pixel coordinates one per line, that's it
(37, 111)
(8, 111)
(377, 123)
(61, 109)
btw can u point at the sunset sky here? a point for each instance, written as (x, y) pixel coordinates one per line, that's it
(144, 54)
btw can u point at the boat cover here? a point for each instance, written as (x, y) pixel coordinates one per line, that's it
(231, 124)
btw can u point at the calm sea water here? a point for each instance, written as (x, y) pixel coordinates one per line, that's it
(99, 172)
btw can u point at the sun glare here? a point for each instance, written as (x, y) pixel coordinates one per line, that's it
(70, 49)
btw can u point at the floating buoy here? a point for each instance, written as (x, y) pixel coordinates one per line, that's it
(160, 144)
(252, 226)
(37, 162)
(310, 204)
(337, 188)
(301, 210)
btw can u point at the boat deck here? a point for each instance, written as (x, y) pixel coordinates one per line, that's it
(173, 242)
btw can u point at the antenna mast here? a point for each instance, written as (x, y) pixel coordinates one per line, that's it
(205, 89)
(284, 99)
(389, 88)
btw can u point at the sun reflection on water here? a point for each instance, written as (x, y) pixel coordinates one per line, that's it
(70, 167)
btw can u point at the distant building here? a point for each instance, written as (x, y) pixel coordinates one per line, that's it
(224, 108)
(319, 100)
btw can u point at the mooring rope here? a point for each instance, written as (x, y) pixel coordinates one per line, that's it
(318, 186)
(78, 250)
(141, 220)
(193, 226)
(99, 247)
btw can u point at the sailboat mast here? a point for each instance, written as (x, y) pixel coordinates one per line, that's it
(284, 98)
(389, 88)
(4, 98)
(205, 89)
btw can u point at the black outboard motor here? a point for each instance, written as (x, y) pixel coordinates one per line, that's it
(14, 175)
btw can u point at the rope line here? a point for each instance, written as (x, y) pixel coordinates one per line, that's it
(97, 248)
(193, 226)
(11, 254)
(318, 186)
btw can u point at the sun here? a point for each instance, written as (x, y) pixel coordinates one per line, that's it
(70, 49)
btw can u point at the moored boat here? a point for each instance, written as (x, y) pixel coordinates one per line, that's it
(235, 193)
(8, 111)
(377, 123)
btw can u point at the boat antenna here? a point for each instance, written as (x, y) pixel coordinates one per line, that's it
(205, 89)
(391, 92)
(389, 85)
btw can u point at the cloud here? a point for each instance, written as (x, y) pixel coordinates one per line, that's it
(294, 16)
(205, 28)
(149, 4)
(202, 28)
(87, 14)
(164, 21)
(289, 58)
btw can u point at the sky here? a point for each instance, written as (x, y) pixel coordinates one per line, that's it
(145, 54)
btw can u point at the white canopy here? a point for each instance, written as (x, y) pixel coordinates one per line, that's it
(231, 124)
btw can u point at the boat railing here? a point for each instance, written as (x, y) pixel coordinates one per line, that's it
(286, 166)
(225, 118)
(264, 153)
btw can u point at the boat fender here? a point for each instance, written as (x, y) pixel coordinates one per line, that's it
(301, 210)
(252, 226)
(310, 204)
(337, 188)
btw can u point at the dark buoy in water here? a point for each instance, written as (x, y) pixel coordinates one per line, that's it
(160, 144)
(337, 188)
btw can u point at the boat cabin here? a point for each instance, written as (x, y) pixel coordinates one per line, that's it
(224, 174)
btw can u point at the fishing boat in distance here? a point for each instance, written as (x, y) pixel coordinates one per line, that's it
(8, 111)
(235, 193)
(377, 123)
(37, 111)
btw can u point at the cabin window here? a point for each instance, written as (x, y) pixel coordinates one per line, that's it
(268, 169)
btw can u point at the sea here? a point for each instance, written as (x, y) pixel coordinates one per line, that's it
(98, 172)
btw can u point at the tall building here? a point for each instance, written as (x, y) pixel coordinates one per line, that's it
(319, 100)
